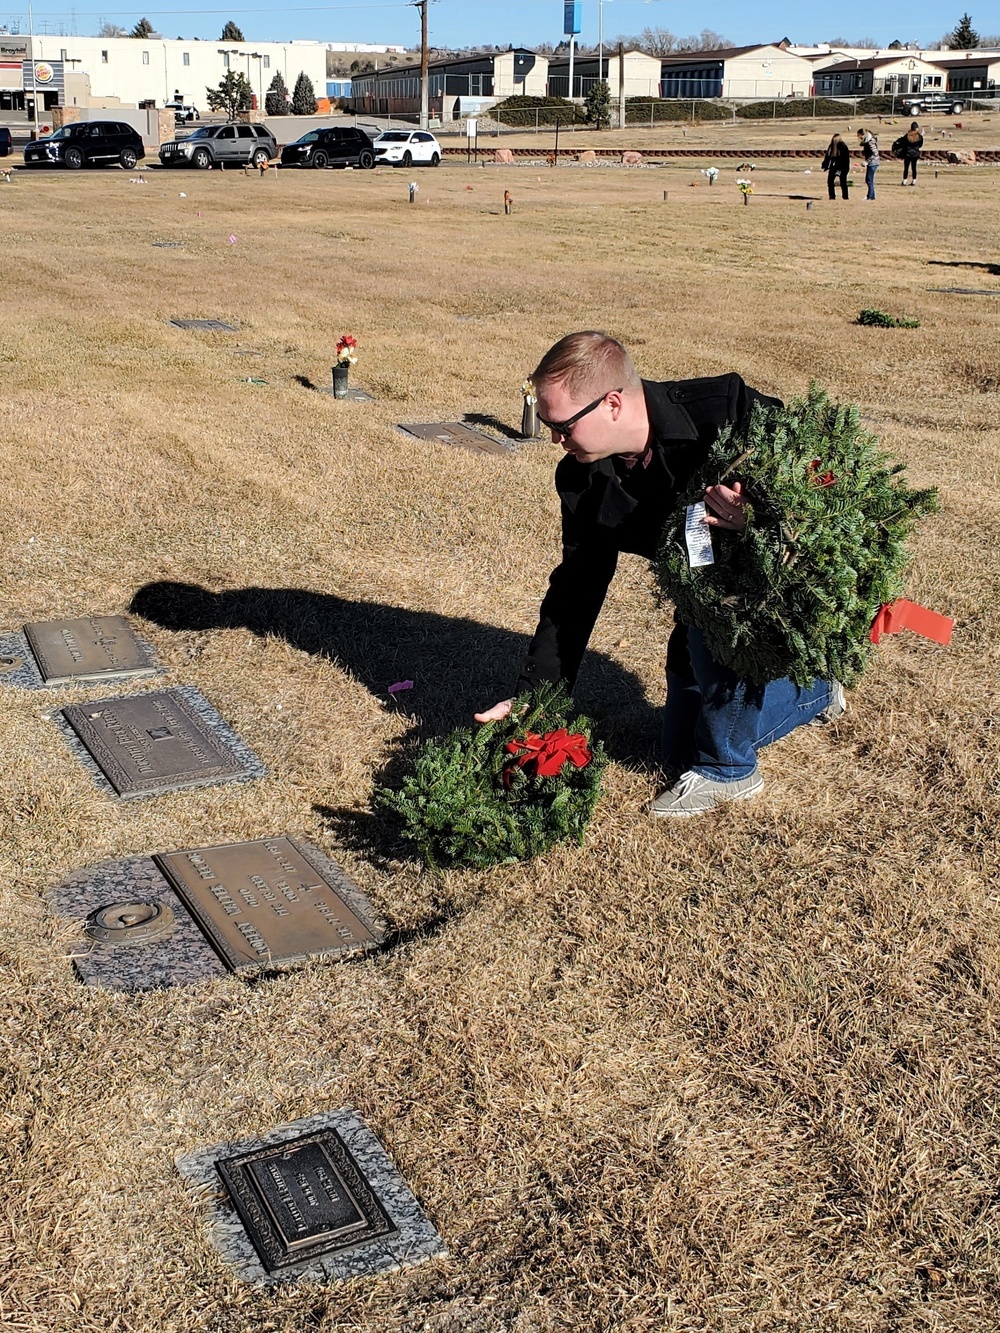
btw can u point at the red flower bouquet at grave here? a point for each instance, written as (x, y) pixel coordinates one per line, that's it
(347, 350)
(506, 791)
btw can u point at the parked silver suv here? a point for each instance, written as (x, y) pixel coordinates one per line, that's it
(221, 145)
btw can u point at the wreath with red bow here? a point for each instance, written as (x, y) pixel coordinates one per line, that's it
(506, 791)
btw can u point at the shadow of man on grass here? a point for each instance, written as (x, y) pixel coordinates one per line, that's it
(458, 666)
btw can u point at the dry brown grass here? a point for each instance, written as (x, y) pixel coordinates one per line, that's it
(740, 1075)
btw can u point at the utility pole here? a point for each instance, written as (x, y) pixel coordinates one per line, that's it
(621, 86)
(422, 6)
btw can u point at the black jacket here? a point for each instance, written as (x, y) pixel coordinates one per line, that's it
(607, 508)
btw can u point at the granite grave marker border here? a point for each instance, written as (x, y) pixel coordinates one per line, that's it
(83, 650)
(123, 942)
(148, 744)
(268, 1259)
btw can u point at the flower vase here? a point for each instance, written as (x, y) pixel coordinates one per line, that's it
(746, 200)
(529, 421)
(340, 372)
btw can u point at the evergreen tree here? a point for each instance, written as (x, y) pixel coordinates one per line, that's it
(964, 37)
(304, 96)
(142, 29)
(230, 33)
(232, 96)
(276, 100)
(598, 111)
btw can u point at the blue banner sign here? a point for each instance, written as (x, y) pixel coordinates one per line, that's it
(571, 17)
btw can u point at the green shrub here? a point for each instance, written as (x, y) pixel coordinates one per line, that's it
(637, 109)
(549, 111)
(793, 108)
(880, 320)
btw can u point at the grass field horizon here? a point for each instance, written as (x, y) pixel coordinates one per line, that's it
(738, 1075)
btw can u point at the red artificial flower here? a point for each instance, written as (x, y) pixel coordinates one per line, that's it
(546, 755)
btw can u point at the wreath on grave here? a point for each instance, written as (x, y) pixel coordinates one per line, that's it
(801, 590)
(504, 791)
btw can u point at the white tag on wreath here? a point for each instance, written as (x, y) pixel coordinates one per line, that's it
(698, 536)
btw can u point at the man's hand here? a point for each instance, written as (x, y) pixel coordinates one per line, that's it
(727, 504)
(496, 713)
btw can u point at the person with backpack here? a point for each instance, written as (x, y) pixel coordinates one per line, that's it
(908, 147)
(836, 164)
(869, 150)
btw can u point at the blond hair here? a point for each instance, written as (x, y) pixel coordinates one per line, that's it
(587, 363)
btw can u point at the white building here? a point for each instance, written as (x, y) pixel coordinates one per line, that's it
(130, 70)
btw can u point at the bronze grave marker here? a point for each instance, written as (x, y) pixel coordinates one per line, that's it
(145, 744)
(263, 904)
(455, 433)
(303, 1198)
(87, 648)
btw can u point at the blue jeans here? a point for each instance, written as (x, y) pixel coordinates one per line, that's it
(714, 721)
(870, 171)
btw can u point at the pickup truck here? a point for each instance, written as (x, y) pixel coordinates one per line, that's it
(916, 104)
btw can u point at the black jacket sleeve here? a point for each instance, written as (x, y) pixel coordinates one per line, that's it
(569, 611)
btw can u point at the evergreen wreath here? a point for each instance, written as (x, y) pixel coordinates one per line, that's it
(504, 791)
(828, 515)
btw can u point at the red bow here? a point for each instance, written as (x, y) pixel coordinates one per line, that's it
(546, 755)
(902, 614)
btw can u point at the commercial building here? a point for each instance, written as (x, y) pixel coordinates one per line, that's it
(456, 86)
(740, 72)
(898, 72)
(642, 74)
(126, 71)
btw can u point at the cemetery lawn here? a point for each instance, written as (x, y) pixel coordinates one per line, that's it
(739, 1074)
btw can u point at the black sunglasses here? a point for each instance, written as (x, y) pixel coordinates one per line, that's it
(564, 427)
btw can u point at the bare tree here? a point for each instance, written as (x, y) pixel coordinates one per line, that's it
(112, 30)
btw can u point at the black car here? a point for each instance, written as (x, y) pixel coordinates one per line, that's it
(97, 142)
(6, 142)
(337, 146)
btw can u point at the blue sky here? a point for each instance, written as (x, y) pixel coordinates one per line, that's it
(521, 22)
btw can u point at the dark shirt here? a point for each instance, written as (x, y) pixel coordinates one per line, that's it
(608, 507)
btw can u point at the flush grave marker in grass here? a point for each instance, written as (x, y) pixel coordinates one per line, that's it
(204, 325)
(455, 433)
(78, 651)
(318, 1199)
(176, 918)
(145, 744)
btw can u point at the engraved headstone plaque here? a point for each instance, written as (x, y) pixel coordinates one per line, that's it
(87, 648)
(262, 904)
(316, 1200)
(130, 930)
(303, 1198)
(145, 744)
(455, 433)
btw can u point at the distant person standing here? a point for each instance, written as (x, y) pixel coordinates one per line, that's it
(836, 164)
(869, 151)
(910, 145)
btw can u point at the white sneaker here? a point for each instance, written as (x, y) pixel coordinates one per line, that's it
(693, 794)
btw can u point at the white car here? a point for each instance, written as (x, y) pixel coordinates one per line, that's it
(182, 114)
(404, 148)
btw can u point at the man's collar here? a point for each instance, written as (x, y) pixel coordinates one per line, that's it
(668, 418)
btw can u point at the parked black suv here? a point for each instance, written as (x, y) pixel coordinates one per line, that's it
(97, 142)
(218, 145)
(336, 146)
(6, 142)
